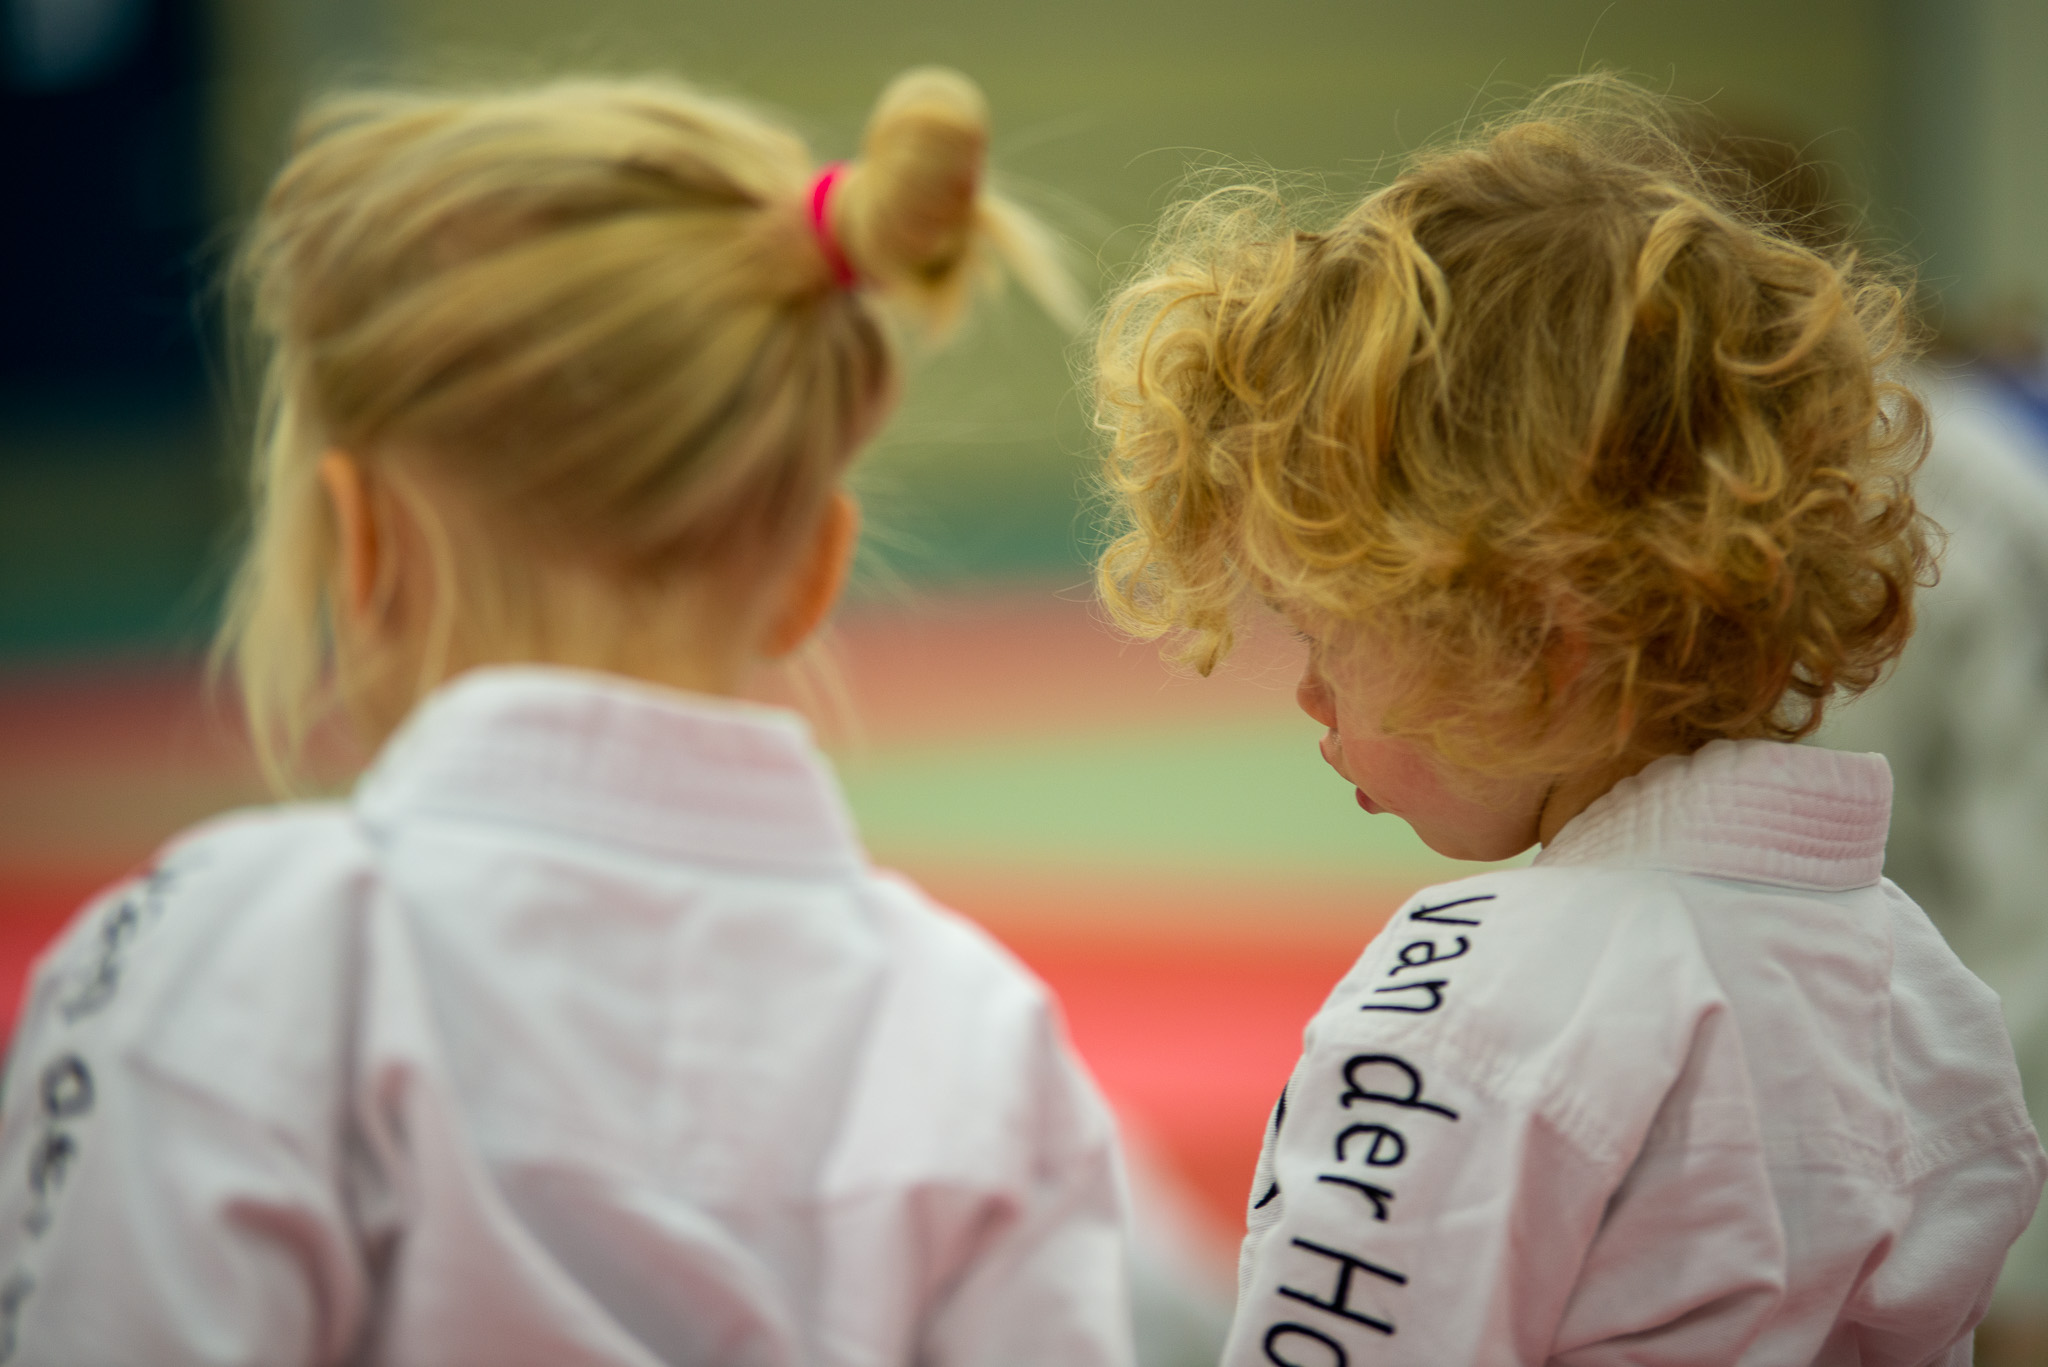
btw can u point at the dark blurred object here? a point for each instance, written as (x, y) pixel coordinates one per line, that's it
(101, 121)
(109, 494)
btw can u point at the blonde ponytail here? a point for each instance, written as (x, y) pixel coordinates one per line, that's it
(915, 216)
(599, 312)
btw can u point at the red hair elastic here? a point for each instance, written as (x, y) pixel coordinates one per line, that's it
(821, 224)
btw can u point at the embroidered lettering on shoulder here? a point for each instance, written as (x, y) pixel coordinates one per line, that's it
(141, 907)
(1279, 1119)
(1380, 1090)
(67, 1095)
(66, 1092)
(1285, 1339)
(1386, 1117)
(1436, 914)
(1421, 996)
(13, 1292)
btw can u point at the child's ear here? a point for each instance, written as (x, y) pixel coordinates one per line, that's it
(1564, 660)
(818, 579)
(360, 545)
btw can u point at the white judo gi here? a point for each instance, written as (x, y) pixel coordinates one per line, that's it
(1698, 1087)
(583, 1035)
(1964, 721)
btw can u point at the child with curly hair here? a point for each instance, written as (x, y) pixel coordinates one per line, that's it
(584, 1033)
(1589, 487)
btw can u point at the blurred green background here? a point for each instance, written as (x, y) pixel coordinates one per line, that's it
(116, 512)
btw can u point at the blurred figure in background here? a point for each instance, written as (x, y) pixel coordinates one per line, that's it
(1963, 716)
(1964, 721)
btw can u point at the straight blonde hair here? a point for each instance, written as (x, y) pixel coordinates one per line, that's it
(602, 312)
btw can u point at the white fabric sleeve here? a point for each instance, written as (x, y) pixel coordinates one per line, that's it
(1963, 720)
(1047, 1282)
(1466, 1165)
(144, 1219)
(1049, 1287)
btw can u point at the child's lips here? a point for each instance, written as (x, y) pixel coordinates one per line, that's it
(1333, 749)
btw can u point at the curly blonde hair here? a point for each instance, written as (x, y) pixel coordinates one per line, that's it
(1561, 412)
(599, 309)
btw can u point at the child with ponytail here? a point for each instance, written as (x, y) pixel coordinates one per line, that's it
(583, 1033)
(1589, 484)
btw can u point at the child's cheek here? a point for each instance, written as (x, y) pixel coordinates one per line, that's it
(1393, 773)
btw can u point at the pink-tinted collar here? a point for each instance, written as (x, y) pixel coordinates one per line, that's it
(1755, 810)
(591, 756)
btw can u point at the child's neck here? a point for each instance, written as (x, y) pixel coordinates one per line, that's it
(1573, 793)
(697, 635)
(692, 639)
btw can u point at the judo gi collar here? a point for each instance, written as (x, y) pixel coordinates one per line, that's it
(596, 757)
(1757, 810)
